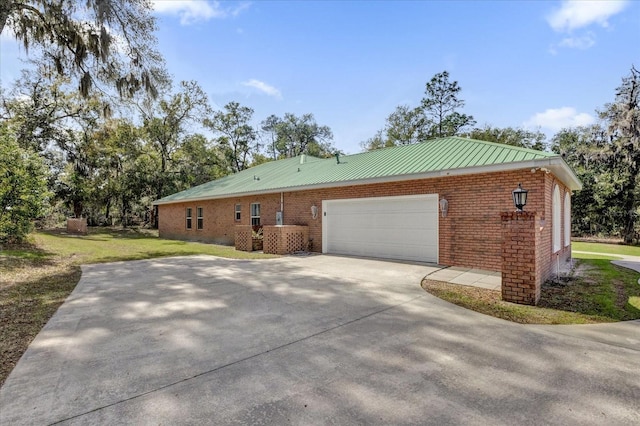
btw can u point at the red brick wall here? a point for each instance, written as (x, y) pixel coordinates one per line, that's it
(470, 235)
(521, 272)
(549, 260)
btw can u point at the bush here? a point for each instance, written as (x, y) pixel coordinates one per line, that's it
(23, 189)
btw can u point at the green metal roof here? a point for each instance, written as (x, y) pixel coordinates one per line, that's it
(395, 163)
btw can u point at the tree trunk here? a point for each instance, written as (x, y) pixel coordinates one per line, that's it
(154, 217)
(630, 220)
(629, 228)
(108, 210)
(77, 209)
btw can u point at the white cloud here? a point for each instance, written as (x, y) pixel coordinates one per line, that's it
(574, 14)
(578, 42)
(560, 118)
(263, 87)
(191, 11)
(240, 7)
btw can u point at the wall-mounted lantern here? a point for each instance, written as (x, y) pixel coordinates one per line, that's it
(444, 207)
(520, 197)
(314, 211)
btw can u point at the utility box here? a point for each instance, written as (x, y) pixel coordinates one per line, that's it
(279, 220)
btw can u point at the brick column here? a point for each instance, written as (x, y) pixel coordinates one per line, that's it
(286, 239)
(77, 226)
(520, 266)
(243, 236)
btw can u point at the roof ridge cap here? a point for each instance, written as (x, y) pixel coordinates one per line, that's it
(502, 145)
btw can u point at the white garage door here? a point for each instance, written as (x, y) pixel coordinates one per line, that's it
(403, 227)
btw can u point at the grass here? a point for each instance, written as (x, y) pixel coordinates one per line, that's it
(606, 248)
(37, 277)
(597, 292)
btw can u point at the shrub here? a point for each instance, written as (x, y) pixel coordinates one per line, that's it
(23, 189)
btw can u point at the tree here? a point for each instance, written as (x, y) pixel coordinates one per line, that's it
(118, 180)
(435, 117)
(377, 141)
(198, 162)
(440, 106)
(294, 135)
(623, 117)
(42, 113)
(406, 126)
(57, 125)
(93, 40)
(268, 127)
(237, 138)
(510, 136)
(594, 207)
(23, 188)
(167, 123)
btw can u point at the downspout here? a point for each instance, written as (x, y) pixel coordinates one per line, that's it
(282, 203)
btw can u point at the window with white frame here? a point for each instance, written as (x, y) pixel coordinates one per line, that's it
(557, 219)
(238, 212)
(189, 217)
(567, 219)
(200, 223)
(255, 214)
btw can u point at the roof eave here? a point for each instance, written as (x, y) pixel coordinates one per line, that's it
(555, 164)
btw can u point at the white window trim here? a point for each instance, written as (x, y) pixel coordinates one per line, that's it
(188, 218)
(567, 219)
(557, 219)
(199, 218)
(253, 216)
(238, 213)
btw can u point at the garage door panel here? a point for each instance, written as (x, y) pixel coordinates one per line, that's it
(389, 227)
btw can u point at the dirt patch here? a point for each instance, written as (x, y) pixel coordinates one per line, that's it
(621, 294)
(30, 293)
(582, 270)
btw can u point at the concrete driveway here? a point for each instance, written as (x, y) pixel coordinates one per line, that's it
(303, 340)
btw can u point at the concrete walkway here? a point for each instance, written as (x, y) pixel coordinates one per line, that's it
(493, 280)
(468, 276)
(304, 340)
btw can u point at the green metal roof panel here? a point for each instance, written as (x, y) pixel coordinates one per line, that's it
(431, 156)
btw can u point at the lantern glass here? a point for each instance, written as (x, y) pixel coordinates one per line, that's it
(520, 197)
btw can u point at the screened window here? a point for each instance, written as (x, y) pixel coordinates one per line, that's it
(567, 219)
(189, 217)
(557, 219)
(238, 212)
(255, 214)
(200, 218)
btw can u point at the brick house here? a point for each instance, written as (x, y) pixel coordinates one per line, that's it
(439, 201)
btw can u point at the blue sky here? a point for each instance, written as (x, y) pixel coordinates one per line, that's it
(537, 64)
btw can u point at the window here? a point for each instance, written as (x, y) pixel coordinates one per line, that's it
(567, 219)
(238, 211)
(557, 219)
(200, 218)
(188, 217)
(255, 214)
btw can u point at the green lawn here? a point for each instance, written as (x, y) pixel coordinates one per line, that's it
(606, 248)
(109, 245)
(36, 278)
(598, 292)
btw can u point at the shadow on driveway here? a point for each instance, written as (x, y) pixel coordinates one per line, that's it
(306, 340)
